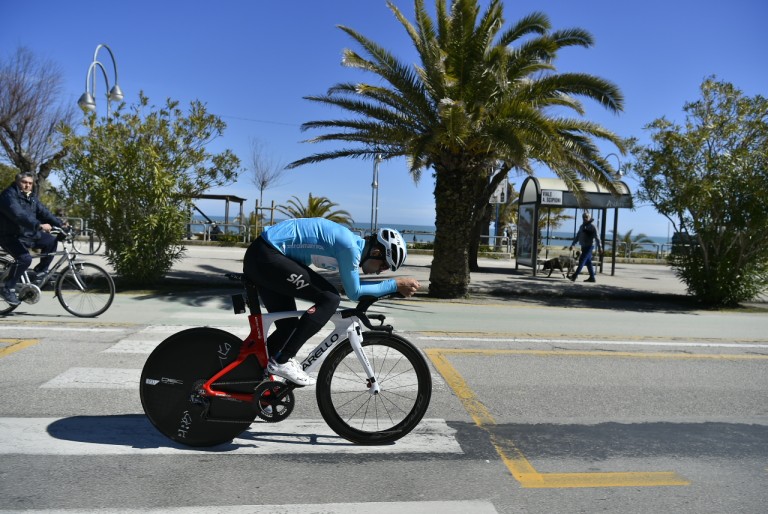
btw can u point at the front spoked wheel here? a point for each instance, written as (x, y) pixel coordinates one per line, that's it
(171, 387)
(85, 290)
(353, 412)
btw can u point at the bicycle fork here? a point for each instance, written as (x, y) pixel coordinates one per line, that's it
(355, 335)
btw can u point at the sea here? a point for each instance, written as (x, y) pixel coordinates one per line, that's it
(422, 233)
(411, 233)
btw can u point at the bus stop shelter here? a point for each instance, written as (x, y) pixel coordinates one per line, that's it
(537, 194)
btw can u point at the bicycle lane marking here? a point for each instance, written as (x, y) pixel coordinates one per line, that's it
(9, 346)
(516, 462)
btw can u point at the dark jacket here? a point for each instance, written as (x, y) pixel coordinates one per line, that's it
(21, 215)
(587, 236)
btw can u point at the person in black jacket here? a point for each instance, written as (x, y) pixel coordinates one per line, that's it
(586, 237)
(24, 223)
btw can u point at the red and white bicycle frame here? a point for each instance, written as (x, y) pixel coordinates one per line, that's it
(344, 327)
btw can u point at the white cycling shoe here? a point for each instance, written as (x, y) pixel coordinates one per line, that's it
(291, 371)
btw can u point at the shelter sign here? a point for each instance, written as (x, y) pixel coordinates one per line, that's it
(550, 197)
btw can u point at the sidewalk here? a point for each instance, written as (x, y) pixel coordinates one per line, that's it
(205, 266)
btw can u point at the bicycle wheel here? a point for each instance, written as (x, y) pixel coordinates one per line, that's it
(87, 242)
(356, 415)
(85, 290)
(5, 265)
(175, 371)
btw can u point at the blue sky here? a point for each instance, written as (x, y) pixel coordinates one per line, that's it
(251, 62)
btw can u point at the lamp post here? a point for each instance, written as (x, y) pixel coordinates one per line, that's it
(618, 161)
(375, 194)
(87, 100)
(615, 220)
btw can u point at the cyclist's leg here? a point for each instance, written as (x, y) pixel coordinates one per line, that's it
(46, 244)
(281, 280)
(23, 259)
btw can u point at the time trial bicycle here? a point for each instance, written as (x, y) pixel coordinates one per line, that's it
(204, 386)
(82, 288)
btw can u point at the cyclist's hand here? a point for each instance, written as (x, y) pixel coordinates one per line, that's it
(407, 286)
(45, 227)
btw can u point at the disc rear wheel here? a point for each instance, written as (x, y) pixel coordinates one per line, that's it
(172, 379)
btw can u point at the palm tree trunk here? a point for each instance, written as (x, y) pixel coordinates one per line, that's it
(478, 231)
(455, 193)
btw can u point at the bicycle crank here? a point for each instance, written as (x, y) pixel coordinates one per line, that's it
(273, 400)
(29, 293)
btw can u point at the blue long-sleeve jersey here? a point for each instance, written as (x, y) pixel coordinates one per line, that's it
(328, 245)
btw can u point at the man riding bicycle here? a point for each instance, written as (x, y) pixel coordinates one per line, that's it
(278, 263)
(24, 223)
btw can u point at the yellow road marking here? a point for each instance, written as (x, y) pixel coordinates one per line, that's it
(517, 464)
(8, 346)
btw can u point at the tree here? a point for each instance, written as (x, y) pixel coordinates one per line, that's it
(628, 242)
(139, 171)
(30, 113)
(7, 175)
(266, 172)
(709, 177)
(481, 98)
(317, 207)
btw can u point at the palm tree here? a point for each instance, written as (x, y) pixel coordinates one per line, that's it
(317, 207)
(482, 98)
(629, 242)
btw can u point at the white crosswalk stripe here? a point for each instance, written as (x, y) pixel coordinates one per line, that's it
(95, 378)
(443, 507)
(134, 435)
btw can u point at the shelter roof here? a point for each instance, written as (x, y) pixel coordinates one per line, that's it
(554, 192)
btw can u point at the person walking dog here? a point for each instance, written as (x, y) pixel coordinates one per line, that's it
(588, 239)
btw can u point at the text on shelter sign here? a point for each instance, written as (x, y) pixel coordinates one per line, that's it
(549, 197)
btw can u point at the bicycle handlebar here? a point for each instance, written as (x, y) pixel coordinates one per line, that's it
(360, 312)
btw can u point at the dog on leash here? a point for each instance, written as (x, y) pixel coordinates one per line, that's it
(563, 263)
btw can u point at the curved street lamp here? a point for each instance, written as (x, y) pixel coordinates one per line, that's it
(618, 161)
(375, 194)
(87, 100)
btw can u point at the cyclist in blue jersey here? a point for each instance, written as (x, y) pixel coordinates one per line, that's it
(279, 260)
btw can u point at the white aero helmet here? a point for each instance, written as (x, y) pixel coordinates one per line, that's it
(394, 247)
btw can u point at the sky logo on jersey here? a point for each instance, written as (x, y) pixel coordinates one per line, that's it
(298, 281)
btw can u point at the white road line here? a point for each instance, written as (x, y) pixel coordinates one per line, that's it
(146, 340)
(134, 435)
(590, 342)
(443, 507)
(64, 328)
(122, 378)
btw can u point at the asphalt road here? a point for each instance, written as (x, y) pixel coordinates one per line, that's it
(537, 408)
